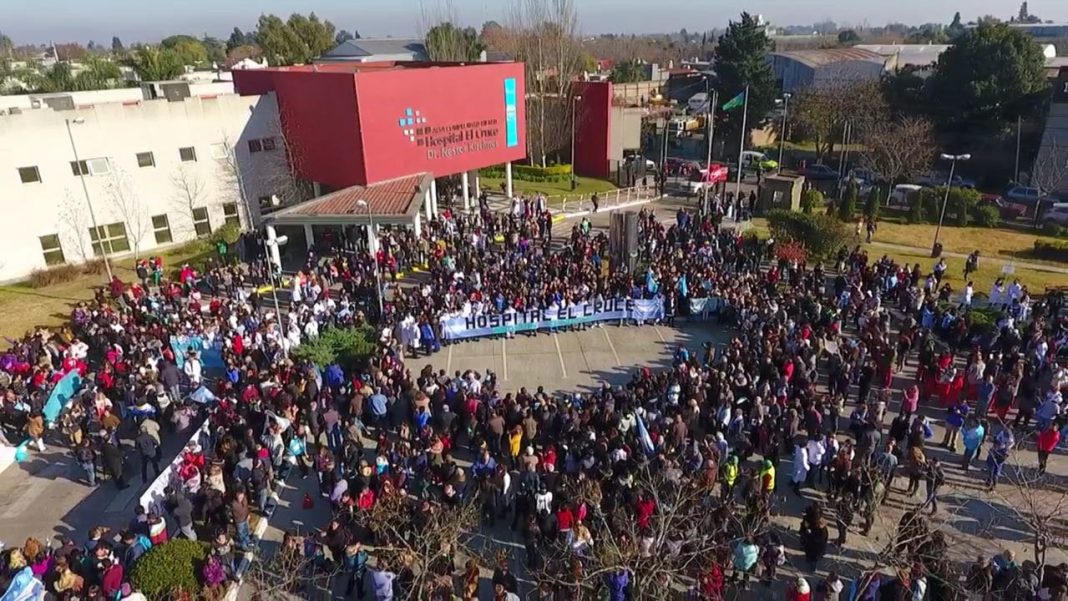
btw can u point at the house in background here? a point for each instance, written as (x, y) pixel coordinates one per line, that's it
(798, 69)
(376, 50)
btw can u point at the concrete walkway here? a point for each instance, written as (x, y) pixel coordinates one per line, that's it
(997, 260)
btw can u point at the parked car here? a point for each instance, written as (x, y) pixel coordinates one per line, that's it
(1022, 194)
(902, 194)
(938, 180)
(820, 173)
(752, 159)
(1006, 210)
(1058, 214)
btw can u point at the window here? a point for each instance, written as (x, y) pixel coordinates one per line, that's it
(90, 167)
(29, 175)
(201, 221)
(219, 151)
(52, 250)
(110, 238)
(230, 213)
(254, 146)
(187, 154)
(161, 226)
(146, 159)
(268, 144)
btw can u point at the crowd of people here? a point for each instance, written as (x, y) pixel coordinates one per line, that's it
(675, 471)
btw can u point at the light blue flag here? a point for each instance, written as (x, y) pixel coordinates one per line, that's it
(643, 436)
(650, 282)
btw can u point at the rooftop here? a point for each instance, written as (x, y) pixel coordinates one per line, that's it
(364, 48)
(829, 56)
(400, 197)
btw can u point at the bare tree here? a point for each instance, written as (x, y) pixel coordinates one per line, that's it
(231, 175)
(188, 194)
(75, 218)
(821, 112)
(1049, 171)
(128, 205)
(897, 149)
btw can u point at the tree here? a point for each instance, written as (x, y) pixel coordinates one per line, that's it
(190, 50)
(871, 204)
(1049, 171)
(127, 204)
(810, 199)
(317, 35)
(897, 149)
(955, 28)
(848, 36)
(822, 235)
(239, 38)
(76, 225)
(216, 49)
(153, 63)
(70, 52)
(448, 43)
(992, 74)
(98, 74)
(188, 195)
(6, 45)
(342, 37)
(740, 59)
(820, 113)
(626, 72)
(280, 43)
(847, 208)
(116, 45)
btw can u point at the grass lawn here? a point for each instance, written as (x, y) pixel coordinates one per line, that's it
(997, 245)
(586, 186)
(23, 308)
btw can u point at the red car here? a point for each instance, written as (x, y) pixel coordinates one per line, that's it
(1009, 211)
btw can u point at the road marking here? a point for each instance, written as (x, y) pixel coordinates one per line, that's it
(504, 356)
(31, 492)
(658, 334)
(560, 354)
(448, 362)
(611, 346)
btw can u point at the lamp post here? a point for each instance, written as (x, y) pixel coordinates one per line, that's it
(785, 100)
(372, 244)
(574, 107)
(85, 189)
(952, 158)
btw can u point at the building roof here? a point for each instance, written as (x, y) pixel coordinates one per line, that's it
(829, 56)
(400, 197)
(363, 48)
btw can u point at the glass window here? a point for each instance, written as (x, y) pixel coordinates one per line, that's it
(268, 144)
(230, 213)
(187, 154)
(110, 238)
(52, 250)
(219, 151)
(254, 146)
(146, 159)
(79, 168)
(162, 228)
(29, 175)
(201, 221)
(98, 166)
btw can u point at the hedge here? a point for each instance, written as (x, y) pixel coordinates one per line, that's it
(169, 567)
(1056, 250)
(348, 347)
(986, 216)
(822, 235)
(532, 173)
(925, 205)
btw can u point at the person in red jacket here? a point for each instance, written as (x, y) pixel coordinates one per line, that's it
(646, 507)
(1046, 443)
(799, 591)
(111, 578)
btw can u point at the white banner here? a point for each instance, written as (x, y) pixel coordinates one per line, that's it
(473, 326)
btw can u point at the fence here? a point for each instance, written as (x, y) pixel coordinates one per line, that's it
(607, 200)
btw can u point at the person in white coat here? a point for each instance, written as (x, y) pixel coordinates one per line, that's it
(193, 370)
(801, 467)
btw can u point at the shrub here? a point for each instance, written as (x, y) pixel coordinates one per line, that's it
(821, 235)
(983, 321)
(916, 212)
(1055, 250)
(93, 266)
(848, 207)
(532, 173)
(171, 566)
(810, 199)
(1052, 229)
(963, 202)
(348, 347)
(986, 216)
(40, 278)
(871, 205)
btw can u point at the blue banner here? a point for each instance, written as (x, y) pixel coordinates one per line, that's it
(62, 395)
(511, 114)
(211, 356)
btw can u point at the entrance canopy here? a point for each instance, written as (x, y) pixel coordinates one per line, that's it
(392, 202)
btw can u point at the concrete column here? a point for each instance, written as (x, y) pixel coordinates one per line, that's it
(433, 197)
(428, 206)
(478, 186)
(508, 179)
(417, 225)
(467, 195)
(309, 235)
(372, 238)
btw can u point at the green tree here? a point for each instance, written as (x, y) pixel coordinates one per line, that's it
(871, 204)
(6, 46)
(280, 43)
(810, 199)
(627, 72)
(216, 49)
(741, 60)
(847, 208)
(821, 235)
(342, 37)
(992, 74)
(956, 27)
(848, 36)
(239, 38)
(116, 45)
(153, 63)
(317, 35)
(446, 42)
(190, 51)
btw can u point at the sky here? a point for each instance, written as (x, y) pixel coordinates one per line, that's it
(38, 21)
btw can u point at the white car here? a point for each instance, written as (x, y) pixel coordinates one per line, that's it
(901, 193)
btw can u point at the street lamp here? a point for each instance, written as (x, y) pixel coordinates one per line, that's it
(952, 158)
(372, 245)
(85, 189)
(785, 101)
(574, 106)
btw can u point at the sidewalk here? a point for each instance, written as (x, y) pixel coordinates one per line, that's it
(997, 260)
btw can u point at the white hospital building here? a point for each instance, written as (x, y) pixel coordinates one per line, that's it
(156, 166)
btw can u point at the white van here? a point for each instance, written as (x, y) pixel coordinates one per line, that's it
(901, 193)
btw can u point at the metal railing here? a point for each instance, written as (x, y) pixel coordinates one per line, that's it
(606, 200)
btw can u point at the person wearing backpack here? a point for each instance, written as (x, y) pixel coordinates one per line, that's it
(134, 546)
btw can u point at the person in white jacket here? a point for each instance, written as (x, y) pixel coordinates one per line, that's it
(193, 370)
(801, 467)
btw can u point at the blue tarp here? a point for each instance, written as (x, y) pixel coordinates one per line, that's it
(61, 395)
(211, 356)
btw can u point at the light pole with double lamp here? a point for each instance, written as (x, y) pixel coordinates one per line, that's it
(785, 100)
(952, 158)
(372, 246)
(85, 188)
(574, 110)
